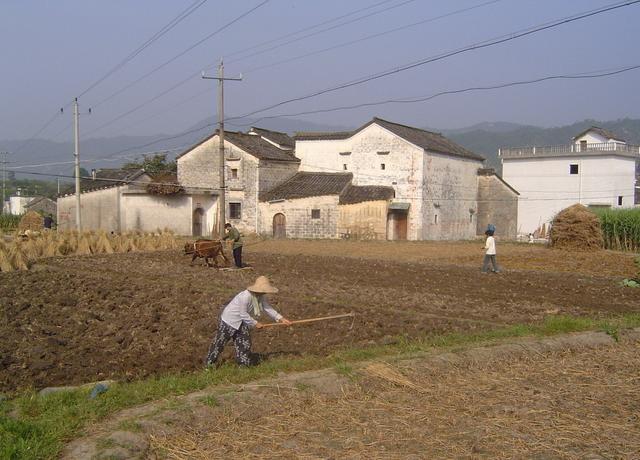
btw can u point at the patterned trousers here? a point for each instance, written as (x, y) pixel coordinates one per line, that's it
(241, 340)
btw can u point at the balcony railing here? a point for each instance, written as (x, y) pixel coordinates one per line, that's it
(562, 150)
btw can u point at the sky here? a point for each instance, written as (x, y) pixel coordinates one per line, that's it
(52, 51)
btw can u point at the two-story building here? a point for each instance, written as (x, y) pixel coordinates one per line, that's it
(387, 181)
(596, 169)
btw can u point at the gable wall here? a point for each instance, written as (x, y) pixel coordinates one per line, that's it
(449, 192)
(498, 205)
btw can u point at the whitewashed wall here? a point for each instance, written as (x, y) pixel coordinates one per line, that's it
(450, 193)
(546, 187)
(149, 213)
(99, 210)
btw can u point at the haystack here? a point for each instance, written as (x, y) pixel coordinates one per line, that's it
(577, 229)
(31, 221)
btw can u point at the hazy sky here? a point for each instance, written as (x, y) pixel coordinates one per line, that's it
(52, 51)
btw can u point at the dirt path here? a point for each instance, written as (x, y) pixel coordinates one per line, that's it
(571, 396)
(126, 316)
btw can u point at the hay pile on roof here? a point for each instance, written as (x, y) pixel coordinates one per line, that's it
(577, 229)
(31, 221)
(164, 184)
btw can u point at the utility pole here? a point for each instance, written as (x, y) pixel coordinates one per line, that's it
(4, 179)
(221, 199)
(76, 124)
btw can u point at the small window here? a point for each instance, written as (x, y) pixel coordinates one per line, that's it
(382, 166)
(344, 166)
(470, 218)
(573, 169)
(235, 210)
(386, 152)
(620, 200)
(234, 173)
(345, 153)
(435, 219)
(315, 214)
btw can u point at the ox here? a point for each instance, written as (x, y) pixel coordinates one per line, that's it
(208, 249)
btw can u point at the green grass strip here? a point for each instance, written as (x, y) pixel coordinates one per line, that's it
(37, 427)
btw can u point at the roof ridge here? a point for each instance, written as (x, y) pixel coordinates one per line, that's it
(407, 126)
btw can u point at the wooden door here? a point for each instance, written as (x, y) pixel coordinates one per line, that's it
(279, 226)
(400, 226)
(198, 215)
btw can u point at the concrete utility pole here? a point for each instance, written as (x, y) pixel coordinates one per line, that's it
(4, 179)
(221, 199)
(76, 123)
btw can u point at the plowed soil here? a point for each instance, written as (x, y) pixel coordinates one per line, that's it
(123, 316)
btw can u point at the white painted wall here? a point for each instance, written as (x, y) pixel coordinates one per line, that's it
(17, 204)
(149, 213)
(546, 187)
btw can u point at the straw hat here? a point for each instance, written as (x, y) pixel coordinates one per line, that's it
(262, 286)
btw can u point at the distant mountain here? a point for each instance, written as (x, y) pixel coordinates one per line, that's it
(483, 138)
(486, 141)
(48, 157)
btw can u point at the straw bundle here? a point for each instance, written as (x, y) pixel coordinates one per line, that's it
(18, 258)
(576, 228)
(84, 247)
(5, 261)
(103, 245)
(31, 221)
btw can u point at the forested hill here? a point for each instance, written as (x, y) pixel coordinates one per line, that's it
(487, 138)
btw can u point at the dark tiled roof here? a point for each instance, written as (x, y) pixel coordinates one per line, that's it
(279, 138)
(360, 193)
(433, 142)
(317, 136)
(253, 145)
(308, 184)
(106, 178)
(603, 132)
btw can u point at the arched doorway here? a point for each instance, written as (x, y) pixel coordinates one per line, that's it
(198, 218)
(279, 226)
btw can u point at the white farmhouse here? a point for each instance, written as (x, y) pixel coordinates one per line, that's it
(435, 181)
(254, 163)
(597, 169)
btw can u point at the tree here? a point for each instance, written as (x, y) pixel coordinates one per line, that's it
(153, 164)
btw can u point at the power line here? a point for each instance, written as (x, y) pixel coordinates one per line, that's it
(369, 37)
(290, 34)
(166, 28)
(132, 55)
(297, 39)
(182, 53)
(412, 100)
(581, 75)
(473, 47)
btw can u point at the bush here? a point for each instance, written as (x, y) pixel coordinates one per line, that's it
(9, 222)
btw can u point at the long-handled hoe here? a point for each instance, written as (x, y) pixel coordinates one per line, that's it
(313, 320)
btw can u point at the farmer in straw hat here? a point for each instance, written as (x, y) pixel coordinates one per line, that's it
(236, 321)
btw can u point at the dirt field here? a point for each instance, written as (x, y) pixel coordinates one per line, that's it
(122, 316)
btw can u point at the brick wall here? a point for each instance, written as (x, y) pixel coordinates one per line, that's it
(298, 214)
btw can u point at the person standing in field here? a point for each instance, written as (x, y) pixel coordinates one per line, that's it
(234, 235)
(237, 320)
(490, 253)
